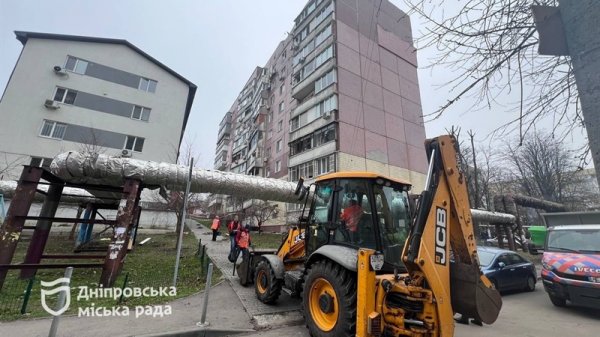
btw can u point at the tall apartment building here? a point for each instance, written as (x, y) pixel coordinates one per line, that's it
(85, 93)
(339, 94)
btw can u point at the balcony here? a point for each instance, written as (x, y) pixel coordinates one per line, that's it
(224, 131)
(306, 86)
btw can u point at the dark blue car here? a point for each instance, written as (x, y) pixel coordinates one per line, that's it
(507, 270)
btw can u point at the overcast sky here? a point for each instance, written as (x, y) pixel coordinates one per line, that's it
(215, 44)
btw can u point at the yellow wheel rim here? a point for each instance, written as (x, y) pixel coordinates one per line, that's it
(324, 319)
(259, 282)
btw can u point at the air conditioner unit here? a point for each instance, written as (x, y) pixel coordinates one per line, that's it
(59, 71)
(327, 115)
(126, 153)
(51, 104)
(266, 159)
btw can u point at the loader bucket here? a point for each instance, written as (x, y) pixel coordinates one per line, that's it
(470, 296)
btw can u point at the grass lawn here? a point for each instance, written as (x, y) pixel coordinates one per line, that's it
(263, 240)
(150, 265)
(266, 240)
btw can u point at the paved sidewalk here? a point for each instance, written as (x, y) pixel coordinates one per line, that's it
(286, 310)
(225, 312)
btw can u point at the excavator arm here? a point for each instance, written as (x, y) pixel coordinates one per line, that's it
(441, 252)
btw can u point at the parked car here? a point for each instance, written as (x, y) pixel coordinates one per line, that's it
(507, 270)
(571, 263)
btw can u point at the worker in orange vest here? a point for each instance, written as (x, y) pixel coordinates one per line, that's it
(215, 227)
(242, 239)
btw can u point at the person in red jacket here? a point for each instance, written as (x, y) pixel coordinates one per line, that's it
(242, 239)
(215, 227)
(232, 228)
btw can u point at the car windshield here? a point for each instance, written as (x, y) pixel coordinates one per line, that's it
(485, 258)
(583, 240)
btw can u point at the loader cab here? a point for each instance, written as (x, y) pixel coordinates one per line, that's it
(360, 210)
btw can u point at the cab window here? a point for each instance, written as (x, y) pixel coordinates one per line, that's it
(355, 214)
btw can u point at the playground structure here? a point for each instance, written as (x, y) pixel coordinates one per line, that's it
(105, 182)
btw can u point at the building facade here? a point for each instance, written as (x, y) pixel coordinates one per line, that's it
(340, 93)
(93, 95)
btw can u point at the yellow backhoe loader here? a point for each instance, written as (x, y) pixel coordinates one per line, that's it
(368, 261)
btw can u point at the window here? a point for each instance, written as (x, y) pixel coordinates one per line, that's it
(324, 135)
(147, 85)
(301, 56)
(323, 14)
(280, 126)
(66, 96)
(76, 65)
(301, 145)
(313, 140)
(268, 174)
(52, 129)
(281, 106)
(315, 112)
(323, 35)
(281, 89)
(140, 113)
(324, 56)
(278, 146)
(325, 81)
(278, 166)
(327, 105)
(270, 134)
(133, 143)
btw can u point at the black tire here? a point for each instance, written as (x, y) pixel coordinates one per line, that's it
(557, 301)
(530, 284)
(266, 286)
(343, 284)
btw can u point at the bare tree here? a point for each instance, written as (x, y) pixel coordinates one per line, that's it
(481, 169)
(9, 164)
(175, 199)
(545, 168)
(90, 145)
(490, 47)
(261, 211)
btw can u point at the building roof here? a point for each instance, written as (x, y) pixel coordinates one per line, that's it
(24, 36)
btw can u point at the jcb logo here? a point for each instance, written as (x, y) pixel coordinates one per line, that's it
(440, 236)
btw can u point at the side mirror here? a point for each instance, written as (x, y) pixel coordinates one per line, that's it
(501, 265)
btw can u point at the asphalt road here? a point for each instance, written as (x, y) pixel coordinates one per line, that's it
(523, 315)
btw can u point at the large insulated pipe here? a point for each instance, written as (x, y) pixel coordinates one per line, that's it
(102, 169)
(492, 217)
(70, 194)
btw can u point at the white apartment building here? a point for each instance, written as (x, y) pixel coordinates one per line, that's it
(86, 93)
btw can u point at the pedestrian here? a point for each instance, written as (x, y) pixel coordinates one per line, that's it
(232, 227)
(215, 227)
(242, 240)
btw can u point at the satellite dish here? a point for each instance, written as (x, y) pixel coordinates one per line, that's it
(57, 68)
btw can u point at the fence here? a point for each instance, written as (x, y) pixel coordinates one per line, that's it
(20, 298)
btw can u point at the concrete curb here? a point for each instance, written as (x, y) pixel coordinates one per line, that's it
(277, 320)
(198, 332)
